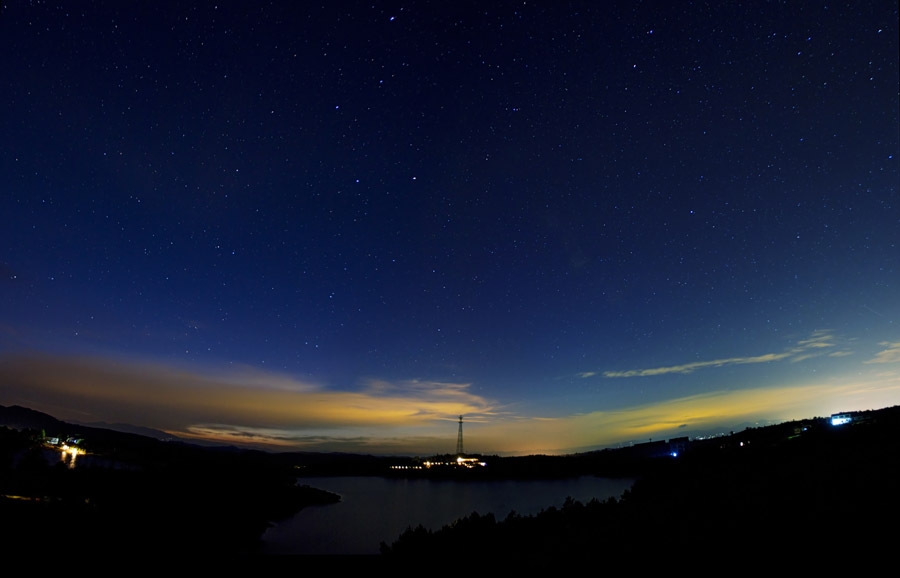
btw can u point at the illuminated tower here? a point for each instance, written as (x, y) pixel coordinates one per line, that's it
(459, 445)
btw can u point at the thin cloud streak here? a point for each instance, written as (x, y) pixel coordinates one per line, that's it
(691, 367)
(806, 349)
(889, 355)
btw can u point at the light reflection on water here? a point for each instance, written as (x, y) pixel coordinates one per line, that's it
(375, 509)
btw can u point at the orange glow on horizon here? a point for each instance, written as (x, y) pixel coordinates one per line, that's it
(403, 417)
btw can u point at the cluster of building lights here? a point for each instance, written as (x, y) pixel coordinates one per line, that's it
(69, 453)
(460, 462)
(841, 418)
(68, 450)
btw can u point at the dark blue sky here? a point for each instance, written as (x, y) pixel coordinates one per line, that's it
(577, 223)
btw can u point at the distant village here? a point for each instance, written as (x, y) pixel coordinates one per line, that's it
(635, 451)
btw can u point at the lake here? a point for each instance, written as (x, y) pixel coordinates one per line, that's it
(375, 509)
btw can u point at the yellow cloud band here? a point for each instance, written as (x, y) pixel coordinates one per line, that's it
(172, 399)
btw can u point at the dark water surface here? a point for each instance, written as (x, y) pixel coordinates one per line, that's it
(375, 509)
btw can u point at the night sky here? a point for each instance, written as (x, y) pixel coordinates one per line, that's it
(339, 227)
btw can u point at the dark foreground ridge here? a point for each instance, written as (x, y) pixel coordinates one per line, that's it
(800, 486)
(795, 488)
(131, 493)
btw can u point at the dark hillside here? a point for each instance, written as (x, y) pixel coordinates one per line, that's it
(791, 488)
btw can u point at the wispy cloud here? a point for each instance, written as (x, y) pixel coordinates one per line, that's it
(840, 353)
(244, 405)
(691, 367)
(813, 346)
(819, 339)
(889, 355)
